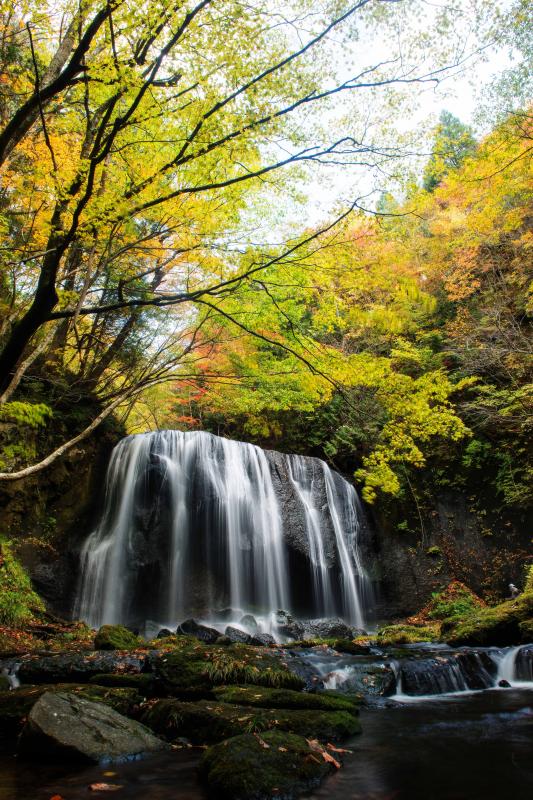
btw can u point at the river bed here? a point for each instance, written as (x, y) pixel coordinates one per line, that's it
(474, 746)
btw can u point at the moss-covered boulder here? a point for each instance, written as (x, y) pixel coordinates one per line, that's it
(407, 634)
(192, 671)
(206, 721)
(115, 637)
(285, 698)
(506, 624)
(16, 705)
(251, 767)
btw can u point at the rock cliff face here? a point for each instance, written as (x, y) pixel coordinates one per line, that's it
(463, 538)
(49, 514)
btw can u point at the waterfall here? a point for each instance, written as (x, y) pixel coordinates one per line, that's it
(192, 522)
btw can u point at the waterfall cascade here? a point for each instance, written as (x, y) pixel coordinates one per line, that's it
(417, 674)
(193, 522)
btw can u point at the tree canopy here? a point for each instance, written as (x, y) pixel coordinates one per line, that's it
(140, 143)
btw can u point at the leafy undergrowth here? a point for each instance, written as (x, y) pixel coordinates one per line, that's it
(454, 602)
(19, 604)
(459, 617)
(508, 623)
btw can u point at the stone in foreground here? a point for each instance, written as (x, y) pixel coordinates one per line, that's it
(63, 725)
(262, 766)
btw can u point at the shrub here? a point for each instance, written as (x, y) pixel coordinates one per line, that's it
(18, 601)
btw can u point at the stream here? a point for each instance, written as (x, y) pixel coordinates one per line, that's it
(451, 743)
(477, 746)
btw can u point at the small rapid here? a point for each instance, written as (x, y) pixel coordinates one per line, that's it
(412, 675)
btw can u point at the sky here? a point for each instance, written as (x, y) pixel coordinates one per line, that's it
(329, 188)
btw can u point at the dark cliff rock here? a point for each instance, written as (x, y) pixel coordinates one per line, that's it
(464, 538)
(49, 515)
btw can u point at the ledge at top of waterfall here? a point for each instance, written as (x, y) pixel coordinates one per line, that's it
(193, 522)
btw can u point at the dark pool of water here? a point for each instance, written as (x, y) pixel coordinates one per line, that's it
(471, 747)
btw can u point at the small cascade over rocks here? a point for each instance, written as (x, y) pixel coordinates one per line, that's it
(193, 522)
(414, 673)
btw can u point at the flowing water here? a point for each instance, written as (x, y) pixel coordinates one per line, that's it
(193, 522)
(476, 746)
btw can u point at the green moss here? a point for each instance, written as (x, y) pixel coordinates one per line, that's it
(206, 721)
(193, 670)
(18, 601)
(407, 634)
(526, 631)
(115, 637)
(285, 698)
(256, 768)
(182, 674)
(494, 625)
(454, 602)
(528, 581)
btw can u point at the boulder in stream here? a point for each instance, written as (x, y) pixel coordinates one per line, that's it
(236, 635)
(201, 632)
(65, 726)
(261, 766)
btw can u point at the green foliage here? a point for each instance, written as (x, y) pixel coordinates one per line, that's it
(31, 415)
(18, 601)
(502, 625)
(453, 142)
(458, 608)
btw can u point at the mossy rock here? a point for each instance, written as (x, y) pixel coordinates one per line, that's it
(285, 698)
(206, 721)
(193, 671)
(498, 626)
(115, 637)
(526, 631)
(182, 674)
(243, 768)
(16, 705)
(144, 683)
(407, 634)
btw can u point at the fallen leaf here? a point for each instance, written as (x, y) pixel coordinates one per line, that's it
(56, 797)
(104, 787)
(262, 742)
(329, 758)
(337, 749)
(282, 749)
(110, 774)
